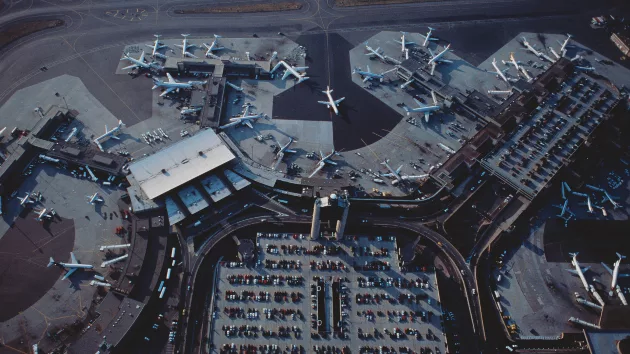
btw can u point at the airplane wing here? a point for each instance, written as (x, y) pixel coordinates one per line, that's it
(426, 116)
(387, 174)
(445, 61)
(572, 271)
(167, 91)
(339, 101)
(420, 104)
(399, 169)
(415, 177)
(366, 78)
(431, 52)
(73, 258)
(170, 78)
(141, 59)
(319, 168)
(69, 273)
(286, 74)
(331, 162)
(130, 67)
(324, 102)
(607, 269)
(290, 151)
(249, 124)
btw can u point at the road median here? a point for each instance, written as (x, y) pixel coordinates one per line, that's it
(352, 3)
(242, 8)
(15, 31)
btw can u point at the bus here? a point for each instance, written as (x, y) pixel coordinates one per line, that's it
(173, 252)
(162, 292)
(161, 286)
(168, 274)
(283, 201)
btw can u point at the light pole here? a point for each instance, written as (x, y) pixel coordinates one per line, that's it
(64, 100)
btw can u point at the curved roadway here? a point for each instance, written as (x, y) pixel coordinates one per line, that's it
(415, 227)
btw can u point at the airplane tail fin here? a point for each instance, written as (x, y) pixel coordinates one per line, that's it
(620, 255)
(51, 262)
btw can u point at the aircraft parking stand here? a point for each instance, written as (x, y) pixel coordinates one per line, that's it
(369, 318)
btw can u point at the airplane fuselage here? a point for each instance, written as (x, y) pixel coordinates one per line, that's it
(499, 72)
(437, 57)
(331, 103)
(74, 265)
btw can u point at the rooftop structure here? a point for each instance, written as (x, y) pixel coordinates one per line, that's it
(117, 316)
(193, 199)
(215, 188)
(237, 181)
(173, 211)
(180, 163)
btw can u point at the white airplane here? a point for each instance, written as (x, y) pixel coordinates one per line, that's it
(244, 119)
(615, 273)
(396, 174)
(404, 43)
(428, 37)
(173, 85)
(212, 47)
(190, 110)
(578, 271)
(331, 103)
(369, 75)
(589, 205)
(72, 267)
(424, 109)
(292, 70)
(280, 154)
(437, 58)
(43, 214)
(500, 73)
(157, 45)
(374, 52)
(513, 61)
(563, 45)
(112, 133)
(94, 198)
(139, 63)
(612, 201)
(185, 45)
(535, 51)
(324, 160)
(26, 200)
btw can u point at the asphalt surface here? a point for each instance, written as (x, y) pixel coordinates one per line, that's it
(89, 44)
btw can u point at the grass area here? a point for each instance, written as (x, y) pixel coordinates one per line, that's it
(19, 30)
(243, 8)
(349, 3)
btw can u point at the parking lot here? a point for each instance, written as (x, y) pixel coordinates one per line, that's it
(540, 147)
(313, 295)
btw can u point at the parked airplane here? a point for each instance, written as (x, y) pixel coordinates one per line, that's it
(536, 52)
(437, 58)
(173, 85)
(589, 205)
(612, 201)
(112, 133)
(244, 119)
(513, 61)
(374, 52)
(331, 103)
(423, 108)
(578, 271)
(292, 70)
(403, 42)
(368, 75)
(322, 162)
(500, 73)
(563, 45)
(157, 45)
(615, 272)
(26, 200)
(190, 110)
(185, 45)
(72, 267)
(94, 198)
(212, 47)
(428, 37)
(280, 154)
(42, 214)
(396, 174)
(139, 63)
